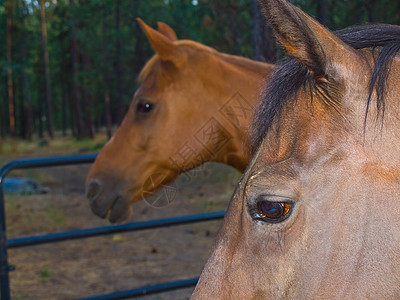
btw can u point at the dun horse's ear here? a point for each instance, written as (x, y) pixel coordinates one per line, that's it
(304, 38)
(167, 31)
(163, 46)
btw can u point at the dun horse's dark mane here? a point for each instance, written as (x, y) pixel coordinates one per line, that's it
(291, 76)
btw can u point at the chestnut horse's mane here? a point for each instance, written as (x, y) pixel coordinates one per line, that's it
(291, 75)
(236, 60)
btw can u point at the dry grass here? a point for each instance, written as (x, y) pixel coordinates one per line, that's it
(94, 266)
(16, 148)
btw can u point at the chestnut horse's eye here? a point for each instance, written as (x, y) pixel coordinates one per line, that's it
(144, 107)
(273, 212)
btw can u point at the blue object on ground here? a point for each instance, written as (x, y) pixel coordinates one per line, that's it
(23, 186)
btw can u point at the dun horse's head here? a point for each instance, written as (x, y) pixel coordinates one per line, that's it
(317, 212)
(192, 106)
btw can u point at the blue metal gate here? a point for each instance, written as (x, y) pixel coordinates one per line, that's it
(6, 244)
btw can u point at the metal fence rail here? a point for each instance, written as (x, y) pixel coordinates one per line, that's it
(147, 290)
(6, 244)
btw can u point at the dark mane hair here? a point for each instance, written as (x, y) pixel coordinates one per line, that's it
(291, 75)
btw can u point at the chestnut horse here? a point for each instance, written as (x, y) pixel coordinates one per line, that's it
(193, 105)
(316, 215)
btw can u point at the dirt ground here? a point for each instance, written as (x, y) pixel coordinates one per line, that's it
(94, 266)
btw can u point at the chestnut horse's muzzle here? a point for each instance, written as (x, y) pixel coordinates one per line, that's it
(112, 206)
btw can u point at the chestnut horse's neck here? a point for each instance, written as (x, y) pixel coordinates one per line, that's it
(241, 81)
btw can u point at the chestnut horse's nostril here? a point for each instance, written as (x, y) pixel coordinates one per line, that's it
(92, 189)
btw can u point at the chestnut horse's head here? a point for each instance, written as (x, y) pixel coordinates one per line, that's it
(317, 212)
(193, 105)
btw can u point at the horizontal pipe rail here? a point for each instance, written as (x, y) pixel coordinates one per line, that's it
(84, 233)
(91, 232)
(26, 164)
(148, 290)
(40, 162)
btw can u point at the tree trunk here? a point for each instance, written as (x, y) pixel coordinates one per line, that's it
(370, 5)
(397, 13)
(64, 109)
(107, 113)
(256, 38)
(118, 64)
(80, 125)
(322, 12)
(235, 25)
(106, 80)
(262, 40)
(89, 116)
(71, 105)
(20, 108)
(87, 98)
(139, 50)
(270, 47)
(49, 114)
(10, 83)
(40, 119)
(28, 98)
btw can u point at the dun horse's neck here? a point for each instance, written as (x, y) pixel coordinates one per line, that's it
(246, 79)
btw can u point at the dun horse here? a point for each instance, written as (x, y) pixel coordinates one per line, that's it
(193, 105)
(317, 213)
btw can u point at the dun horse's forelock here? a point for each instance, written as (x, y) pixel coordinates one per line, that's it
(291, 76)
(285, 83)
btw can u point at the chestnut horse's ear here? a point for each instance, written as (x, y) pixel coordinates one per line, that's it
(163, 46)
(167, 31)
(305, 39)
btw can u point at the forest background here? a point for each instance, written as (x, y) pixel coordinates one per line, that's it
(69, 67)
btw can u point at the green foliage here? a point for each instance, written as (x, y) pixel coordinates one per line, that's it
(44, 274)
(224, 25)
(57, 217)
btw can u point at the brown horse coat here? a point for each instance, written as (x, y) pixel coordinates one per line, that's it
(317, 212)
(194, 105)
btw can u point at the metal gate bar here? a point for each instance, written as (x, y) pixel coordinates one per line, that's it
(25, 164)
(91, 232)
(148, 290)
(5, 268)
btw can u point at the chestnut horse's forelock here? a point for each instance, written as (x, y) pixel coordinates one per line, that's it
(291, 76)
(150, 65)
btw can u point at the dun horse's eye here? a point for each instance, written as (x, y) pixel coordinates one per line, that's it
(273, 212)
(144, 107)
